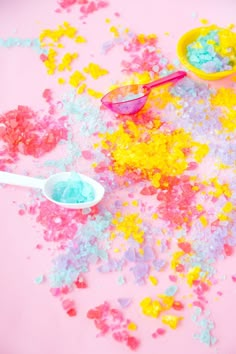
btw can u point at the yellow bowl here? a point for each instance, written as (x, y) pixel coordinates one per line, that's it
(190, 37)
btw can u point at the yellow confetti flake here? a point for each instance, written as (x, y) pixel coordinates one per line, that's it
(141, 38)
(231, 26)
(132, 326)
(176, 258)
(203, 220)
(151, 307)
(153, 280)
(61, 81)
(129, 226)
(204, 21)
(50, 63)
(226, 98)
(80, 39)
(67, 60)
(193, 274)
(228, 207)
(81, 89)
(95, 71)
(65, 30)
(220, 189)
(95, 94)
(222, 166)
(160, 98)
(114, 31)
(167, 301)
(171, 321)
(201, 152)
(76, 78)
(199, 207)
(229, 121)
(222, 217)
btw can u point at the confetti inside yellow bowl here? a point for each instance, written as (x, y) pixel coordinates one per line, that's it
(192, 36)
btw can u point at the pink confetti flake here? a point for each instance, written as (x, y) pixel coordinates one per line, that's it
(198, 304)
(55, 291)
(111, 320)
(87, 155)
(185, 246)
(80, 283)
(21, 212)
(228, 250)
(86, 7)
(181, 190)
(200, 288)
(59, 223)
(173, 278)
(161, 331)
(149, 191)
(158, 332)
(72, 312)
(69, 307)
(26, 132)
(234, 278)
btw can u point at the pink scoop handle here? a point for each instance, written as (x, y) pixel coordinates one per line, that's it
(164, 80)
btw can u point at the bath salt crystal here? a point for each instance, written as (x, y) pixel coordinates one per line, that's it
(73, 191)
(171, 290)
(39, 280)
(213, 51)
(124, 302)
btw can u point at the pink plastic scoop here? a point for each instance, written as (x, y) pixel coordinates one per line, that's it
(131, 98)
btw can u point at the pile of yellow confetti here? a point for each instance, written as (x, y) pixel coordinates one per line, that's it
(151, 153)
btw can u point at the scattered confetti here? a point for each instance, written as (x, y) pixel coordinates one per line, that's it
(111, 320)
(170, 196)
(86, 7)
(22, 132)
(213, 50)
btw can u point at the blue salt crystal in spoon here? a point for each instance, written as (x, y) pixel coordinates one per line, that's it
(73, 191)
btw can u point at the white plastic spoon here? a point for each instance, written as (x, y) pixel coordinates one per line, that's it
(47, 185)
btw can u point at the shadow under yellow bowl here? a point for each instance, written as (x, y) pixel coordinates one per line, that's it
(190, 37)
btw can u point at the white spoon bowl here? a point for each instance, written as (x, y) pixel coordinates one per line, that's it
(47, 185)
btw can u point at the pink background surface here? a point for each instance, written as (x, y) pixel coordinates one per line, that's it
(31, 320)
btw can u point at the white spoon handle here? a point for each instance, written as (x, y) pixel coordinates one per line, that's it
(19, 180)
